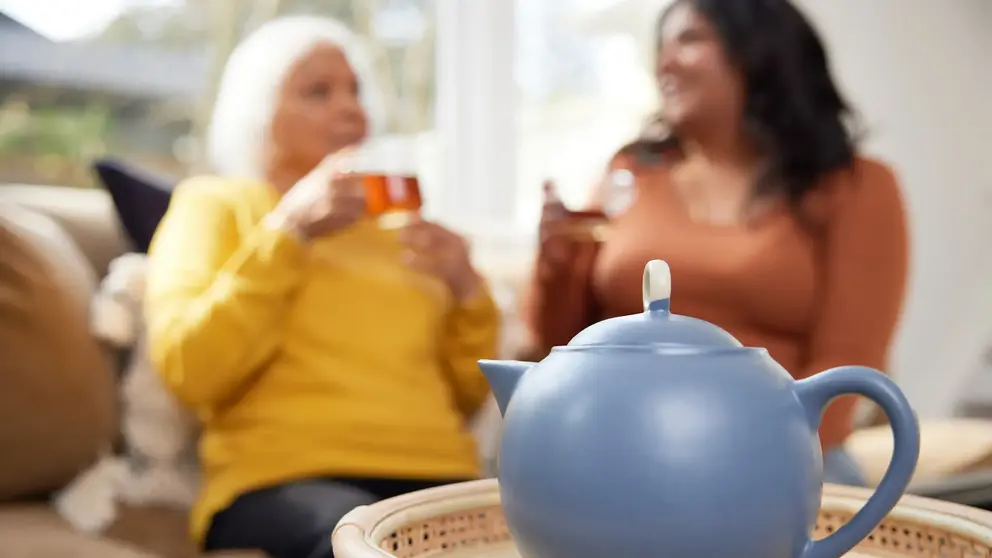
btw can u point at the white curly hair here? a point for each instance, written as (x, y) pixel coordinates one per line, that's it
(249, 88)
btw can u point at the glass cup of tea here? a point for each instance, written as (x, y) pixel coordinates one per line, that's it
(387, 169)
(618, 194)
(588, 225)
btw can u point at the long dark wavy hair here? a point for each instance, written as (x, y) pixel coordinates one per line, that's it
(794, 112)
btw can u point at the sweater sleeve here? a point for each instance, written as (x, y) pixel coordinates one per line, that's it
(215, 296)
(864, 282)
(559, 302)
(472, 335)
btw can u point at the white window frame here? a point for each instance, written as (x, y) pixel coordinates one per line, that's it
(477, 120)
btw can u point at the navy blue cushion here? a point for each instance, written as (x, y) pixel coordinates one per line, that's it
(140, 198)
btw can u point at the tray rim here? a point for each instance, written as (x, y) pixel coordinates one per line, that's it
(357, 532)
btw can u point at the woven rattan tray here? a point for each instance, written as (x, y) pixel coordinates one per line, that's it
(465, 521)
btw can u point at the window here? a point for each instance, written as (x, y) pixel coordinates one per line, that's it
(137, 83)
(530, 90)
(521, 90)
(586, 89)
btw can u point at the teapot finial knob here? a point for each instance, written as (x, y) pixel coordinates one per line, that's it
(657, 286)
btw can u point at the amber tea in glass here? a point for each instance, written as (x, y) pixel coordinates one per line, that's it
(618, 192)
(588, 225)
(387, 167)
(388, 193)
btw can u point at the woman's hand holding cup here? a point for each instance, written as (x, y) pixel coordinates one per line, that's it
(562, 231)
(437, 251)
(554, 231)
(327, 200)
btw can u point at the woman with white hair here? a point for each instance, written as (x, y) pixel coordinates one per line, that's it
(332, 362)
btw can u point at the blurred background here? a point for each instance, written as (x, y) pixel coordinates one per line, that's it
(503, 94)
(497, 96)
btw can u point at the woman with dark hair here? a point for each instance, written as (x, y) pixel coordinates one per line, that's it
(751, 187)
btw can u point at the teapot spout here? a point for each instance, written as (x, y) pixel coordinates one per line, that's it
(503, 376)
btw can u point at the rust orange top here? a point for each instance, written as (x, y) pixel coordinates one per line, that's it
(819, 291)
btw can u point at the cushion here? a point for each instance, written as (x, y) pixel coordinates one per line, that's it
(948, 447)
(58, 398)
(140, 198)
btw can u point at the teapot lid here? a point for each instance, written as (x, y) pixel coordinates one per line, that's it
(656, 325)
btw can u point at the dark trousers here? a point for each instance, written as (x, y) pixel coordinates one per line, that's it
(295, 520)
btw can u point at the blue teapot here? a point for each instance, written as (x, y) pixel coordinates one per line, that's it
(659, 435)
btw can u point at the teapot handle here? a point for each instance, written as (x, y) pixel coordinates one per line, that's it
(815, 393)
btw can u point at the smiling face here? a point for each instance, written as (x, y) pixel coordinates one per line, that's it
(695, 77)
(318, 111)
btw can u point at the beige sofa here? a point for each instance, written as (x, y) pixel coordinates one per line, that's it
(58, 401)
